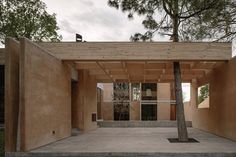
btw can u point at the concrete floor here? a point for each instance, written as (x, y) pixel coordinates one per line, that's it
(136, 140)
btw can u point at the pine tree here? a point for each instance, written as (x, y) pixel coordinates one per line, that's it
(182, 20)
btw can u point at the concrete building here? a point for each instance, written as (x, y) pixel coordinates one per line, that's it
(51, 88)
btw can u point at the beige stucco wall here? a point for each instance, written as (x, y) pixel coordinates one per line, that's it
(135, 110)
(163, 108)
(107, 111)
(188, 111)
(87, 100)
(221, 116)
(107, 92)
(107, 105)
(45, 100)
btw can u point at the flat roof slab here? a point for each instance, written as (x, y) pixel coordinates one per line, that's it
(131, 51)
(137, 142)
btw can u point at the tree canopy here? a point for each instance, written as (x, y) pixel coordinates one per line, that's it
(182, 20)
(27, 18)
(212, 20)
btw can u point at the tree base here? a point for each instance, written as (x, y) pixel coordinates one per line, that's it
(176, 140)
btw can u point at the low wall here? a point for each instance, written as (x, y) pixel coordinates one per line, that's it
(220, 117)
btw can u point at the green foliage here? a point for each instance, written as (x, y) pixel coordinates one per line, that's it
(203, 93)
(195, 20)
(27, 18)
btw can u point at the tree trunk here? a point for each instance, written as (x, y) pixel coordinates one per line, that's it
(181, 124)
(182, 128)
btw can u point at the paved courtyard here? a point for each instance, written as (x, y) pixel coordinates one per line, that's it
(136, 140)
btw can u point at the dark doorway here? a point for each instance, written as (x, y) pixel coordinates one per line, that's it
(149, 112)
(74, 104)
(99, 103)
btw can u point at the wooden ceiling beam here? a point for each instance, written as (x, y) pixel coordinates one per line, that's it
(107, 73)
(86, 65)
(126, 70)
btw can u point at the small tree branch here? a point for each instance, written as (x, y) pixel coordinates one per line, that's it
(165, 8)
(199, 11)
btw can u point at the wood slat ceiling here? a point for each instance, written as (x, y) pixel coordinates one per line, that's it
(145, 71)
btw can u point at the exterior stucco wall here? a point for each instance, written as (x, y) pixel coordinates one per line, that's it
(87, 101)
(163, 108)
(220, 117)
(45, 100)
(135, 110)
(107, 111)
(107, 105)
(187, 111)
(11, 93)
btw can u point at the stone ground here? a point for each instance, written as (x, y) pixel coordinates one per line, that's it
(139, 140)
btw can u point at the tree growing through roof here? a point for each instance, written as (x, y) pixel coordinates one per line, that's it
(182, 20)
(27, 18)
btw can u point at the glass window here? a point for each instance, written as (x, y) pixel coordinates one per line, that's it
(149, 91)
(135, 91)
(121, 91)
(203, 96)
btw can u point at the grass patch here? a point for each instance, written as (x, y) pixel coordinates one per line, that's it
(1, 143)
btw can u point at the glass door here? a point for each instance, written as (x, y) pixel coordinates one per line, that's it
(149, 102)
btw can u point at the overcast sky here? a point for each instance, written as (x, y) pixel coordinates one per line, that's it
(94, 20)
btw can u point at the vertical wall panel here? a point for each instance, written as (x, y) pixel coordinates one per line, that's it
(11, 93)
(45, 97)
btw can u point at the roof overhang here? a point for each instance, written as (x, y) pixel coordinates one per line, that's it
(144, 51)
(142, 61)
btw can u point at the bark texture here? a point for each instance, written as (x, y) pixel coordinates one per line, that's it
(182, 128)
